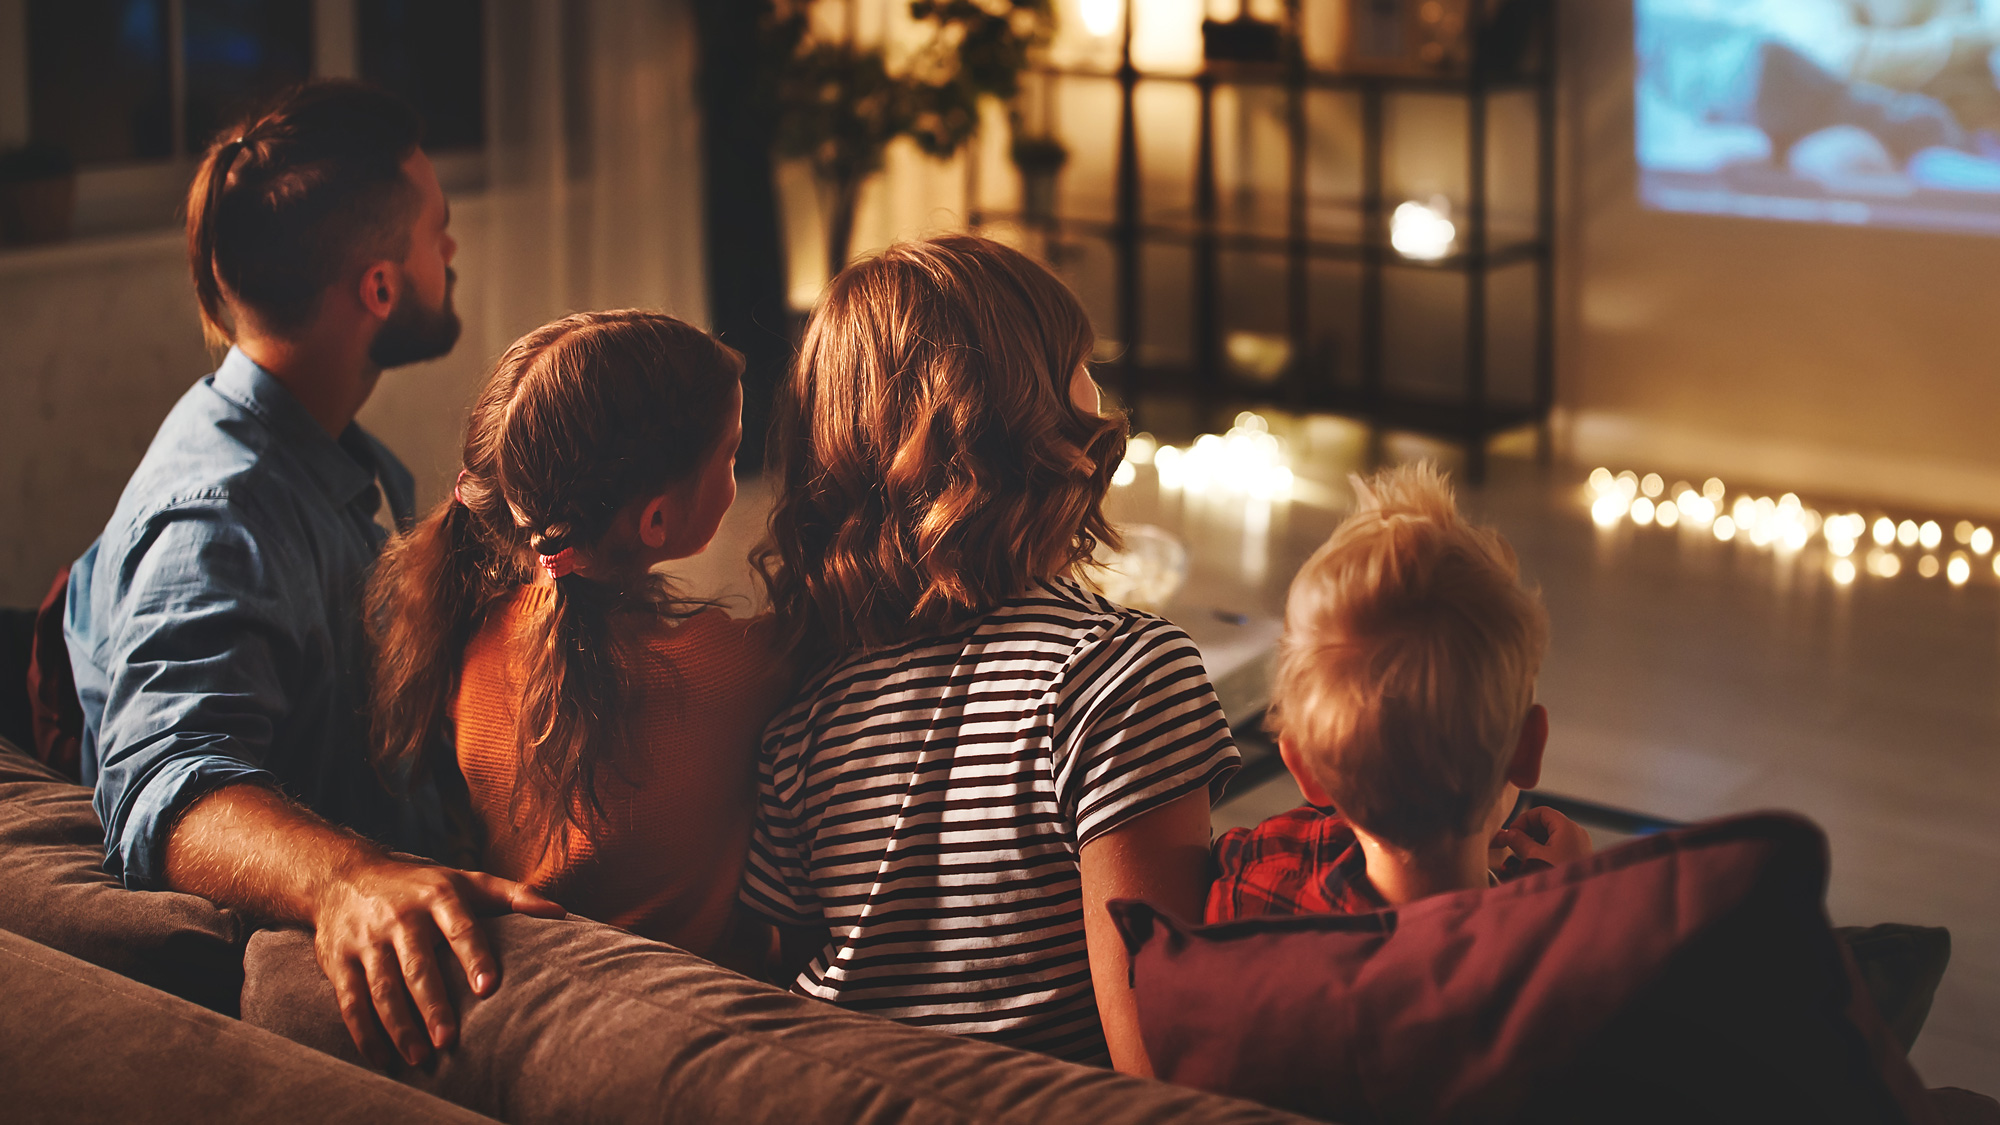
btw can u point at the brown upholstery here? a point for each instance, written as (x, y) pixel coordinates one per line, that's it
(79, 1043)
(594, 1024)
(53, 889)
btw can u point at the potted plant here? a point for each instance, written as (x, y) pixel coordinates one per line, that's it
(1039, 159)
(840, 105)
(840, 108)
(37, 194)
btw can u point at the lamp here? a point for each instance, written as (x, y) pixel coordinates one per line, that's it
(1423, 231)
(1100, 17)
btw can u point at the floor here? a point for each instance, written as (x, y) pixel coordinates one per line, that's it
(1687, 678)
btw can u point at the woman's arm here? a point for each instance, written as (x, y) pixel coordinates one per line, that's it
(1161, 857)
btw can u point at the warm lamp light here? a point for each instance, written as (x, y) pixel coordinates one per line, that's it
(1100, 17)
(1423, 231)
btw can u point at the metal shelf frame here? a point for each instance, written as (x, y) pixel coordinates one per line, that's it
(1472, 417)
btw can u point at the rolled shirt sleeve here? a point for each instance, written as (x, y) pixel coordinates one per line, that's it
(202, 640)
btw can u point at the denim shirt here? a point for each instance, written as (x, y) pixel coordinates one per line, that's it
(215, 627)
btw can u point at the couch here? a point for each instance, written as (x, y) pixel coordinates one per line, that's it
(122, 1004)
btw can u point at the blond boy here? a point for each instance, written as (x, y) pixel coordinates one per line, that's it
(1405, 709)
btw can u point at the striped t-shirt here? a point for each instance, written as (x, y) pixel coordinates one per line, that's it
(926, 803)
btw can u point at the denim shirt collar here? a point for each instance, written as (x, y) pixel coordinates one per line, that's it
(336, 466)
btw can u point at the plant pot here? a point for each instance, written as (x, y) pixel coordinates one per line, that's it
(1038, 194)
(36, 211)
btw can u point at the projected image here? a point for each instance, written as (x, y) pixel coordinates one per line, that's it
(1883, 112)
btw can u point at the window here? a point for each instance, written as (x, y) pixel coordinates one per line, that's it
(238, 53)
(432, 52)
(134, 90)
(98, 79)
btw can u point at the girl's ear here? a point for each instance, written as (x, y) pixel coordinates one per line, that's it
(659, 514)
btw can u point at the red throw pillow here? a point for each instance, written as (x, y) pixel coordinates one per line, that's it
(1688, 976)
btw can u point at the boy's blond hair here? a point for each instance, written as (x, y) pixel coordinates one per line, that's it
(1408, 663)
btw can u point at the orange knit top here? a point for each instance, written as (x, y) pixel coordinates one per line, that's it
(678, 799)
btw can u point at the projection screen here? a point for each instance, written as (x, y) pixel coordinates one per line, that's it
(1864, 112)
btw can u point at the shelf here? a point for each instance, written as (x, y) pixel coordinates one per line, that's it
(1433, 417)
(1213, 232)
(1275, 74)
(1501, 253)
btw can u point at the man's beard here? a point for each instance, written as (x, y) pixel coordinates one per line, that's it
(413, 333)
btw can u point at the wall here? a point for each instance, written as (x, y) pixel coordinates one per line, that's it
(1838, 362)
(103, 338)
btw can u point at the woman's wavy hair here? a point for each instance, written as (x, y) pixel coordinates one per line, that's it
(928, 460)
(580, 417)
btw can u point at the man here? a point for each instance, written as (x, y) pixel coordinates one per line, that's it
(214, 628)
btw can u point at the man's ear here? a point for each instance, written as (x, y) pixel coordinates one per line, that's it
(1309, 786)
(1525, 770)
(381, 285)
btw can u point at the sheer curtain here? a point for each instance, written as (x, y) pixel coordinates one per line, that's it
(594, 186)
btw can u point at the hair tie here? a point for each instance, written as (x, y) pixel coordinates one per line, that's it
(560, 564)
(458, 489)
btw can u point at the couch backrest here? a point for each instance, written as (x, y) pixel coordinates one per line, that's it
(594, 1024)
(54, 890)
(80, 1043)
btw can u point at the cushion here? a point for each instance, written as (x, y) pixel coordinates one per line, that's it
(17, 636)
(1687, 976)
(591, 1023)
(53, 889)
(83, 1044)
(55, 715)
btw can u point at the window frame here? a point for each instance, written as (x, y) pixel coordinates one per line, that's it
(148, 195)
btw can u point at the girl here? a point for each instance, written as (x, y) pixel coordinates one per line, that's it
(606, 731)
(986, 752)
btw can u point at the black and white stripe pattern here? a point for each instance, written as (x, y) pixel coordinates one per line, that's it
(926, 803)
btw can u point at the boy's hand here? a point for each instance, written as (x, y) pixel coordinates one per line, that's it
(1545, 834)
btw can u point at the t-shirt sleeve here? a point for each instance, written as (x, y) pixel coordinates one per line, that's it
(775, 882)
(1137, 726)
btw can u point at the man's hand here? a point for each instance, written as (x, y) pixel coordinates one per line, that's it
(377, 928)
(378, 919)
(1545, 834)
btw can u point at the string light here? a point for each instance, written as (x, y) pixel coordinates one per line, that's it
(1788, 527)
(1249, 460)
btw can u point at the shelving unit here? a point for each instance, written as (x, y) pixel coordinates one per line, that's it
(1469, 416)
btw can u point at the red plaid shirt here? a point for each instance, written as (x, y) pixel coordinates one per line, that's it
(1306, 861)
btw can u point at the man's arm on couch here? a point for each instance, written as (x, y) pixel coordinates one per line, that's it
(377, 920)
